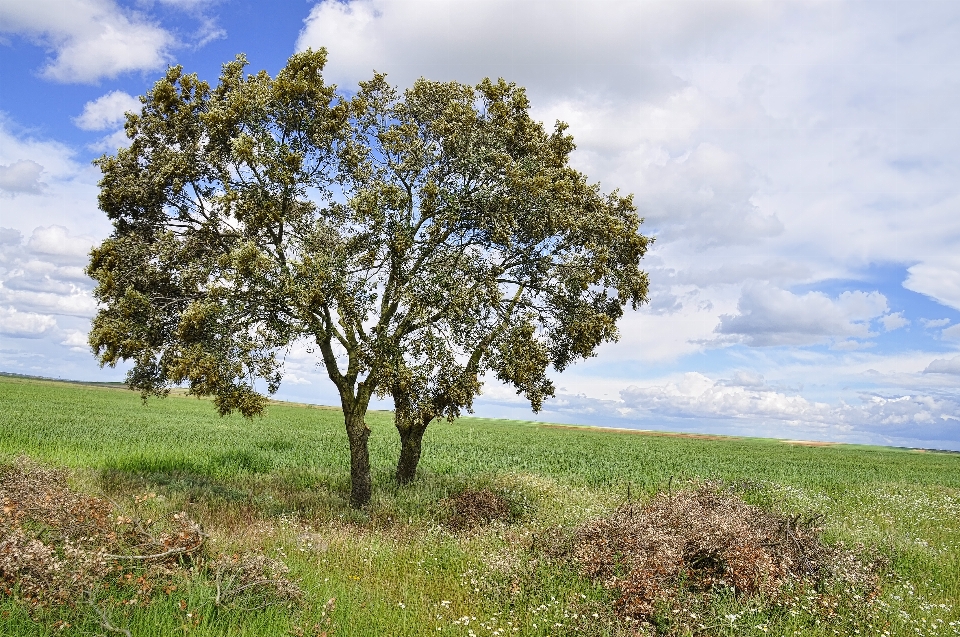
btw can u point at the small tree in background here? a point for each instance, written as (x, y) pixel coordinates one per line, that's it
(418, 239)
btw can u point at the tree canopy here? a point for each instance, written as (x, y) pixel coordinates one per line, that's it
(415, 240)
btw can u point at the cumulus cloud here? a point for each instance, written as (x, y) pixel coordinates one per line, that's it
(110, 143)
(893, 321)
(76, 341)
(25, 324)
(732, 122)
(705, 197)
(58, 243)
(21, 177)
(107, 111)
(533, 43)
(732, 272)
(695, 396)
(91, 39)
(293, 379)
(745, 378)
(45, 273)
(69, 186)
(939, 279)
(952, 332)
(934, 323)
(772, 316)
(944, 366)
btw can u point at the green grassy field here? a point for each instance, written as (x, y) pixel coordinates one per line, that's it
(279, 485)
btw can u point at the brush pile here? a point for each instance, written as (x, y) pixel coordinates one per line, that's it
(59, 548)
(671, 554)
(472, 508)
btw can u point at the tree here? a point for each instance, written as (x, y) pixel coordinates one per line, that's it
(416, 240)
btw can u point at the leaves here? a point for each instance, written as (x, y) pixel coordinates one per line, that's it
(419, 238)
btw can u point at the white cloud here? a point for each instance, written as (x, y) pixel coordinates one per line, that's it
(850, 345)
(57, 242)
(21, 177)
(110, 143)
(10, 237)
(653, 336)
(107, 111)
(771, 316)
(732, 272)
(209, 31)
(293, 379)
(76, 341)
(704, 197)
(939, 279)
(696, 395)
(934, 323)
(91, 39)
(69, 197)
(25, 324)
(745, 378)
(538, 44)
(752, 406)
(944, 366)
(952, 333)
(893, 321)
(45, 274)
(734, 123)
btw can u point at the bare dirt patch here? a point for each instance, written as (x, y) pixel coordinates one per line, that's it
(809, 443)
(643, 432)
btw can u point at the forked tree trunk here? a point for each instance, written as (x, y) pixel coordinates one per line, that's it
(411, 439)
(358, 433)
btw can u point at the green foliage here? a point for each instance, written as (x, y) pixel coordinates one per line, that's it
(417, 238)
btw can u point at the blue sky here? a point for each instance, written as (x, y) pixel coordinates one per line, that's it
(797, 162)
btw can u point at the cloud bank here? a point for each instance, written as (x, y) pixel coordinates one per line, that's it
(90, 39)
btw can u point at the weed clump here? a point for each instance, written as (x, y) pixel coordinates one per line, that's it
(682, 550)
(472, 508)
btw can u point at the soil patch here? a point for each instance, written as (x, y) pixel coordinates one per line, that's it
(644, 432)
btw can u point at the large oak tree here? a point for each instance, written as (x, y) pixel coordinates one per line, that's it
(414, 240)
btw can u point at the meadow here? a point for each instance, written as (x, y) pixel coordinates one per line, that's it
(278, 486)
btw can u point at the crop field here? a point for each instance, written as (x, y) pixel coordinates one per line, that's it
(283, 554)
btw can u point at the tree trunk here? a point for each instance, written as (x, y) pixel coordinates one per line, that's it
(411, 438)
(358, 433)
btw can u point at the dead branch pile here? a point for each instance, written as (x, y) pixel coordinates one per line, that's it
(251, 580)
(474, 507)
(59, 547)
(699, 541)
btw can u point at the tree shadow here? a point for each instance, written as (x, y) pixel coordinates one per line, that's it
(232, 486)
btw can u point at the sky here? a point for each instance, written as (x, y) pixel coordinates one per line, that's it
(797, 163)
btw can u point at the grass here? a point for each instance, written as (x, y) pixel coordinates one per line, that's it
(279, 485)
